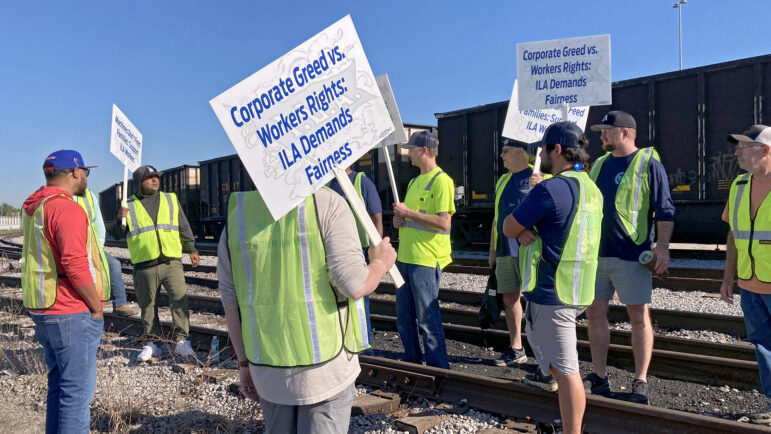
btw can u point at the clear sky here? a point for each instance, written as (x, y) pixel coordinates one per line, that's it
(63, 64)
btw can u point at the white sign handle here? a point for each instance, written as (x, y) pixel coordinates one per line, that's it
(364, 218)
(391, 174)
(564, 111)
(124, 202)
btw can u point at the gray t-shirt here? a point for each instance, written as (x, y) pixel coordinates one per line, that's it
(347, 273)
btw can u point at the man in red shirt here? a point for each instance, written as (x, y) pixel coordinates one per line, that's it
(65, 279)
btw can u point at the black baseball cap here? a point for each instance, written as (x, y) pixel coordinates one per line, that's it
(567, 134)
(757, 134)
(144, 172)
(422, 139)
(615, 119)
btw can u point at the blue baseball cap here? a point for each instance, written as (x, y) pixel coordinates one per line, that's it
(64, 159)
(422, 139)
(567, 134)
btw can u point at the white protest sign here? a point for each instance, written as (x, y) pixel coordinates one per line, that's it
(574, 71)
(125, 140)
(398, 136)
(314, 108)
(528, 125)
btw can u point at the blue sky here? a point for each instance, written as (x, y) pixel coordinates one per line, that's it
(63, 64)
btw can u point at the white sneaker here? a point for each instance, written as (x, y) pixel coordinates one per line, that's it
(183, 348)
(148, 351)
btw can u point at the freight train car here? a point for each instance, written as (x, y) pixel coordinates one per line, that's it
(219, 176)
(685, 115)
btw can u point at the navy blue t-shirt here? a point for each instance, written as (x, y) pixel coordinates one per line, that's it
(368, 193)
(549, 208)
(614, 242)
(513, 193)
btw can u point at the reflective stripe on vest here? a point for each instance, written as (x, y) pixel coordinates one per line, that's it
(87, 203)
(499, 187)
(290, 314)
(575, 273)
(752, 237)
(632, 200)
(40, 275)
(147, 239)
(417, 226)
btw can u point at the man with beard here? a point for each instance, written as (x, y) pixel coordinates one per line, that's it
(423, 220)
(65, 280)
(157, 233)
(634, 184)
(748, 247)
(558, 225)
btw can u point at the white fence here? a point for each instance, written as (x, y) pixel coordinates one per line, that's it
(8, 223)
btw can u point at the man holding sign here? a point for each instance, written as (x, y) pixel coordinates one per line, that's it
(423, 221)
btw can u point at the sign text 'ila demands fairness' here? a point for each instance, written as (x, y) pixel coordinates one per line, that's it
(314, 108)
(125, 140)
(573, 71)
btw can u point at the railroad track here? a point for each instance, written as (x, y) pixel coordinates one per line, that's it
(499, 396)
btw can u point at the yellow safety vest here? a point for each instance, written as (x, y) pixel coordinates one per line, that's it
(145, 238)
(751, 236)
(87, 203)
(39, 273)
(290, 315)
(633, 194)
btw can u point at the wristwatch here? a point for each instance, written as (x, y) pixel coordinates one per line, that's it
(243, 364)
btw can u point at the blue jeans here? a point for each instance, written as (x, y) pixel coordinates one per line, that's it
(417, 308)
(757, 320)
(70, 343)
(117, 289)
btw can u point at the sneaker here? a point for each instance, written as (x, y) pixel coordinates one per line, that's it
(148, 351)
(512, 356)
(545, 382)
(762, 416)
(183, 348)
(639, 392)
(597, 385)
(129, 309)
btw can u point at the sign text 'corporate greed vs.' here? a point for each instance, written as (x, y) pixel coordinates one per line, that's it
(574, 71)
(125, 140)
(316, 107)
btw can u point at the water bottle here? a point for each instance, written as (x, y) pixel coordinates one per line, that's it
(215, 349)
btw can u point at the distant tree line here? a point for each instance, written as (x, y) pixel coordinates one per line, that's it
(9, 210)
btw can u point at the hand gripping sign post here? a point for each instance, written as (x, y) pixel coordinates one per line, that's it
(563, 72)
(398, 136)
(313, 109)
(126, 146)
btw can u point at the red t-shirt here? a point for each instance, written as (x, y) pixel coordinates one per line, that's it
(66, 230)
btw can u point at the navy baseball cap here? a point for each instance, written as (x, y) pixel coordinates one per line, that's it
(615, 119)
(756, 134)
(64, 159)
(567, 134)
(422, 139)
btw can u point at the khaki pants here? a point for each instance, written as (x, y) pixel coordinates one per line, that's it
(147, 283)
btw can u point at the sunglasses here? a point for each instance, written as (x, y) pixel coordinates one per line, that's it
(86, 171)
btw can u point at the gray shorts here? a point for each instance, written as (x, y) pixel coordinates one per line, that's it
(507, 274)
(551, 332)
(330, 416)
(632, 281)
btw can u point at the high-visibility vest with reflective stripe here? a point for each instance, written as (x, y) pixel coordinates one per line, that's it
(752, 237)
(633, 195)
(39, 273)
(145, 238)
(575, 275)
(290, 315)
(499, 187)
(411, 224)
(86, 201)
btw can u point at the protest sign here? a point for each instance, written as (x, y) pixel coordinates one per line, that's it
(574, 72)
(314, 108)
(398, 136)
(528, 125)
(126, 146)
(125, 140)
